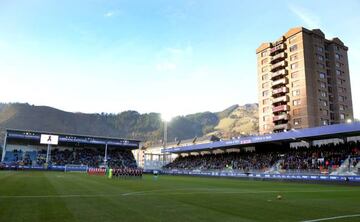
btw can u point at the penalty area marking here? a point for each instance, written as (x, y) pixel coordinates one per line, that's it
(333, 218)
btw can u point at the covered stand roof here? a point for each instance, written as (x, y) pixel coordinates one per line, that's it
(34, 136)
(316, 133)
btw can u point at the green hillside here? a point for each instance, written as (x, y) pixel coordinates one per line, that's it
(130, 124)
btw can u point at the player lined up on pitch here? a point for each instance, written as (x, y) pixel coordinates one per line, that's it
(116, 173)
(126, 173)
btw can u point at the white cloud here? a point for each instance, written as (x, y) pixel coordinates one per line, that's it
(109, 14)
(112, 13)
(309, 19)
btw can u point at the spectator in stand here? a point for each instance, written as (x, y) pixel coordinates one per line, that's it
(325, 156)
(117, 158)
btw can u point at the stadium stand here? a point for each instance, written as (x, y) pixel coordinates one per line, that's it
(323, 153)
(23, 149)
(327, 157)
(89, 157)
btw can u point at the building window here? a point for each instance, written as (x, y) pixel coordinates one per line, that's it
(338, 64)
(342, 89)
(265, 93)
(297, 121)
(292, 39)
(323, 94)
(320, 49)
(320, 57)
(293, 48)
(295, 74)
(337, 48)
(265, 69)
(322, 85)
(340, 81)
(341, 107)
(321, 65)
(294, 65)
(322, 75)
(323, 102)
(265, 85)
(338, 72)
(265, 77)
(294, 57)
(341, 98)
(264, 53)
(266, 101)
(342, 116)
(330, 89)
(266, 109)
(297, 112)
(264, 61)
(337, 55)
(266, 118)
(297, 102)
(266, 127)
(325, 112)
(296, 92)
(325, 122)
(295, 83)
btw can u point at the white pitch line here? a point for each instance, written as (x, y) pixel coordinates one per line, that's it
(217, 191)
(173, 192)
(332, 218)
(54, 196)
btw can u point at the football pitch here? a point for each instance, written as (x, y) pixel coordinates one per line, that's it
(57, 196)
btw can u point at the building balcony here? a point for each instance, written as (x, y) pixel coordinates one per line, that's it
(281, 99)
(281, 117)
(277, 66)
(280, 73)
(277, 48)
(279, 91)
(284, 126)
(281, 108)
(279, 82)
(278, 57)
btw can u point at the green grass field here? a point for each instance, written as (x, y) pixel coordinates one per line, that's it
(54, 196)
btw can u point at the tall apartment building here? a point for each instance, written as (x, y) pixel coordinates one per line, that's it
(303, 81)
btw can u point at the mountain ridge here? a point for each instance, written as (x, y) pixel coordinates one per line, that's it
(232, 121)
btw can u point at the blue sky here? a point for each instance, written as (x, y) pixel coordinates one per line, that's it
(171, 57)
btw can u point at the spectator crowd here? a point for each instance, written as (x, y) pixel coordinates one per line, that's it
(116, 158)
(301, 158)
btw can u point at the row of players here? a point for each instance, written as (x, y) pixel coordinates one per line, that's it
(126, 172)
(117, 172)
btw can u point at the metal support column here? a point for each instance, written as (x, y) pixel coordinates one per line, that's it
(48, 153)
(105, 155)
(4, 148)
(165, 134)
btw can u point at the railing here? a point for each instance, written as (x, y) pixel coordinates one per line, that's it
(281, 99)
(280, 90)
(281, 108)
(277, 48)
(278, 65)
(282, 81)
(281, 117)
(282, 72)
(281, 126)
(278, 56)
